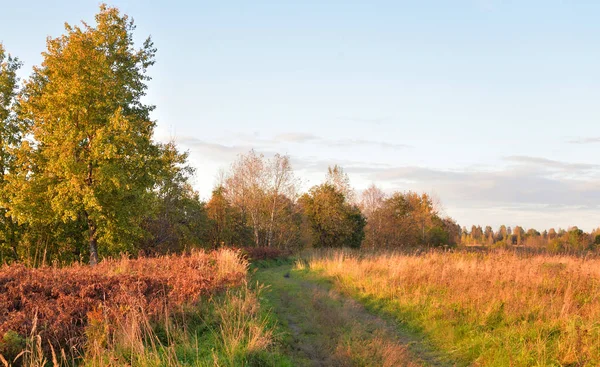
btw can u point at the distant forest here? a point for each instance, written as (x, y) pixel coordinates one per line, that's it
(82, 178)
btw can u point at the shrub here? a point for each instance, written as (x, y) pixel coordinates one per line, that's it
(68, 300)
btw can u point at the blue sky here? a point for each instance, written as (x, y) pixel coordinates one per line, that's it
(491, 105)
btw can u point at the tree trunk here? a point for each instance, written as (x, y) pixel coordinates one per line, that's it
(270, 235)
(92, 228)
(256, 236)
(273, 208)
(93, 241)
(255, 223)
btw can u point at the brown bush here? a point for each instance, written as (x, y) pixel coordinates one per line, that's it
(65, 299)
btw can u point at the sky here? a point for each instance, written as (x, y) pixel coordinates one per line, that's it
(493, 106)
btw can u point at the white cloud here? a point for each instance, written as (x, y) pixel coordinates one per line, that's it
(590, 140)
(295, 137)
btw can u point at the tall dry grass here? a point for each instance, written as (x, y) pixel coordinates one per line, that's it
(229, 330)
(242, 328)
(499, 308)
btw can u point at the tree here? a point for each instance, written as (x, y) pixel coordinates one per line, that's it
(488, 235)
(288, 230)
(453, 229)
(577, 239)
(370, 204)
(333, 221)
(423, 212)
(282, 186)
(258, 188)
(465, 236)
(502, 234)
(177, 220)
(218, 210)
(10, 136)
(406, 220)
(533, 238)
(337, 178)
(245, 187)
(227, 226)
(477, 234)
(10, 131)
(400, 227)
(91, 158)
(518, 235)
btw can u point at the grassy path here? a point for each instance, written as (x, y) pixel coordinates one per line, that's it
(325, 328)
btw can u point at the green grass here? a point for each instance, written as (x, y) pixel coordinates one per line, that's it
(321, 327)
(279, 292)
(467, 343)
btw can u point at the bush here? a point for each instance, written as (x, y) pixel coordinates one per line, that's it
(68, 300)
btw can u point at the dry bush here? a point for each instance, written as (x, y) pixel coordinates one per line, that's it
(79, 302)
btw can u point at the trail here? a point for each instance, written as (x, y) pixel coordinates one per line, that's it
(326, 328)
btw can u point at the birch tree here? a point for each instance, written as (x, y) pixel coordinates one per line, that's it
(337, 178)
(371, 201)
(282, 185)
(260, 188)
(91, 157)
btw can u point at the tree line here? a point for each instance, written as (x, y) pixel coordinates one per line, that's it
(82, 178)
(258, 201)
(572, 239)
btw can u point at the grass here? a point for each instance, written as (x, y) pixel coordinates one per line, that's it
(495, 309)
(230, 329)
(337, 307)
(320, 327)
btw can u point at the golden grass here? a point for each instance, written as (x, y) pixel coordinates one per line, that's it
(483, 309)
(239, 331)
(242, 330)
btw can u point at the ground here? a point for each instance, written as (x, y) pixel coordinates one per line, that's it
(322, 327)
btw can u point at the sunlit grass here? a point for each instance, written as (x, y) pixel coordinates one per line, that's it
(484, 309)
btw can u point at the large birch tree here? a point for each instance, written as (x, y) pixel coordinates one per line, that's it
(90, 157)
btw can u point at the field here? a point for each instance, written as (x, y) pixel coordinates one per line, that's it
(496, 309)
(317, 308)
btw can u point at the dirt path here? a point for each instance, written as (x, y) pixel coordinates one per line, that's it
(325, 328)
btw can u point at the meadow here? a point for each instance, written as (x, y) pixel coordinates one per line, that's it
(483, 309)
(328, 275)
(262, 307)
